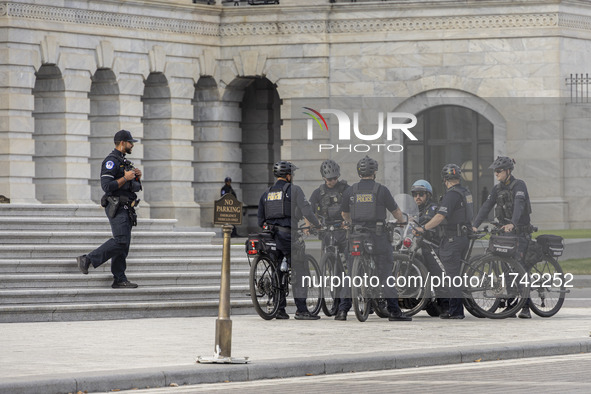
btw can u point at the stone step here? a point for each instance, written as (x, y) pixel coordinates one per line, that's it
(104, 279)
(70, 223)
(152, 264)
(56, 210)
(98, 237)
(118, 310)
(55, 251)
(109, 295)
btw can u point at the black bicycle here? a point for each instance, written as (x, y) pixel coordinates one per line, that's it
(268, 282)
(333, 266)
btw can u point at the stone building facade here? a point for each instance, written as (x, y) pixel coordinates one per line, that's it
(214, 91)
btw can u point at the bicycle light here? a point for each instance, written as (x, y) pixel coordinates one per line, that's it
(407, 242)
(356, 248)
(253, 247)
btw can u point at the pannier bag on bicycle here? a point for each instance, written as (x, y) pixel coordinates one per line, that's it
(503, 245)
(552, 245)
(262, 243)
(534, 253)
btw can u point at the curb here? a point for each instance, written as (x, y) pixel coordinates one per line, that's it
(270, 369)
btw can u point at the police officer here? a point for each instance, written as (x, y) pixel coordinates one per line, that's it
(227, 188)
(281, 205)
(326, 200)
(120, 181)
(456, 209)
(422, 192)
(513, 209)
(366, 204)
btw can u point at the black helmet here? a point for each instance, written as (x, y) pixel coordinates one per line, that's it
(367, 167)
(228, 179)
(503, 163)
(330, 169)
(450, 171)
(282, 168)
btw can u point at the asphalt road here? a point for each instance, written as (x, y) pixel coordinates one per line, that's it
(559, 374)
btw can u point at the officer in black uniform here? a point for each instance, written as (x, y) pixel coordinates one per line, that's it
(422, 193)
(455, 215)
(366, 204)
(513, 209)
(227, 188)
(277, 211)
(326, 200)
(120, 181)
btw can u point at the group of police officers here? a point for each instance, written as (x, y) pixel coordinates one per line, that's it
(366, 204)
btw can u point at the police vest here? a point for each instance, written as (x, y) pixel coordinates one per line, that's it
(330, 201)
(277, 203)
(467, 203)
(505, 203)
(364, 205)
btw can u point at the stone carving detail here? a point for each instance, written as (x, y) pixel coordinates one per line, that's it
(444, 23)
(70, 15)
(89, 17)
(575, 21)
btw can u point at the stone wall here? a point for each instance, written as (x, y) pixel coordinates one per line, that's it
(176, 75)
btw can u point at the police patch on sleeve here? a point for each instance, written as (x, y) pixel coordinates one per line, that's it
(109, 165)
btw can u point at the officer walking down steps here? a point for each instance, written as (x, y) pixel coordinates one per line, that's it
(120, 181)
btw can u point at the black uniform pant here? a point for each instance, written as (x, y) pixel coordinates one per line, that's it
(384, 258)
(452, 251)
(115, 248)
(298, 269)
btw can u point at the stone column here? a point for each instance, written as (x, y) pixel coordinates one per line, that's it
(61, 136)
(217, 146)
(17, 146)
(168, 135)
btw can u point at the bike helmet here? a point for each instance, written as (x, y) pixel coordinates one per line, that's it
(330, 169)
(228, 179)
(503, 163)
(367, 167)
(450, 171)
(282, 168)
(421, 186)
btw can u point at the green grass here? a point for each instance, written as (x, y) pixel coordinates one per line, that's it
(578, 233)
(576, 266)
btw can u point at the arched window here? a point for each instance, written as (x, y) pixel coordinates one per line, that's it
(451, 134)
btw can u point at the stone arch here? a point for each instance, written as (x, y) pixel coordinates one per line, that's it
(105, 120)
(476, 112)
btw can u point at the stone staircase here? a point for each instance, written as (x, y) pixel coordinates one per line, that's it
(178, 272)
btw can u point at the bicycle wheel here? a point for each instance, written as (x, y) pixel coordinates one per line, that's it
(360, 294)
(411, 278)
(380, 307)
(330, 268)
(314, 291)
(264, 287)
(492, 280)
(546, 294)
(468, 302)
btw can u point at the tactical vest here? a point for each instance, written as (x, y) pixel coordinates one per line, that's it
(467, 203)
(330, 201)
(277, 204)
(505, 204)
(364, 205)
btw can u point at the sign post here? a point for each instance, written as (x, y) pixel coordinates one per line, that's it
(227, 212)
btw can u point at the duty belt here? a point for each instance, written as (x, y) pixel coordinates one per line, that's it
(457, 229)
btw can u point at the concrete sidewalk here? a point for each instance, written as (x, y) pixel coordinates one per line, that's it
(62, 357)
